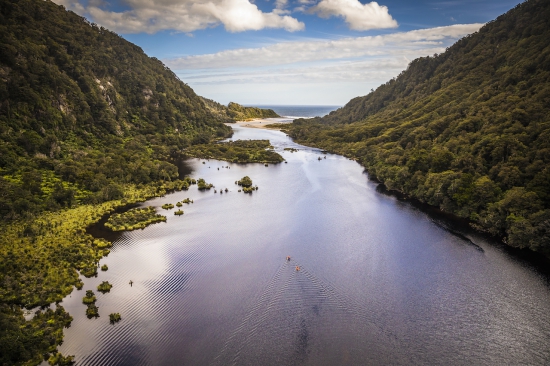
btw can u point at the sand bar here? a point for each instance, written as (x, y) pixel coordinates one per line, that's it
(262, 122)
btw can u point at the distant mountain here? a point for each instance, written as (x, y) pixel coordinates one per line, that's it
(81, 102)
(467, 130)
(235, 112)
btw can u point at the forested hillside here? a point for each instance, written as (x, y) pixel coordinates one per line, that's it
(235, 112)
(88, 124)
(467, 130)
(82, 111)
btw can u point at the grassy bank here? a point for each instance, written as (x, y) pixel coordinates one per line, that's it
(41, 262)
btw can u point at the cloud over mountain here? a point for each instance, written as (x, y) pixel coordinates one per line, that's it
(346, 48)
(151, 16)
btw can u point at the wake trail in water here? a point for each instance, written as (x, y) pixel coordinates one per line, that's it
(278, 326)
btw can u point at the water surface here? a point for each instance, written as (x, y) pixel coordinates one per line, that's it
(379, 281)
(300, 111)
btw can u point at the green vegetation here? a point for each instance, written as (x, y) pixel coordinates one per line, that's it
(104, 287)
(83, 111)
(89, 298)
(114, 318)
(88, 124)
(31, 341)
(178, 212)
(249, 189)
(285, 127)
(179, 204)
(291, 149)
(137, 218)
(104, 267)
(245, 181)
(239, 151)
(467, 130)
(79, 284)
(202, 185)
(92, 311)
(235, 112)
(187, 200)
(60, 360)
(168, 206)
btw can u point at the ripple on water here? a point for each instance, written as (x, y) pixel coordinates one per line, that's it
(379, 282)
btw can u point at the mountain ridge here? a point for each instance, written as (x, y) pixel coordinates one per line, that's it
(467, 130)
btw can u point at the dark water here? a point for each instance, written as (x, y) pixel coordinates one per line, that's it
(297, 111)
(380, 282)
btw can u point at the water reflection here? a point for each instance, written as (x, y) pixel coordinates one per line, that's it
(379, 282)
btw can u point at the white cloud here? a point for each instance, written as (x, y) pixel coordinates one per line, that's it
(311, 71)
(152, 16)
(359, 16)
(378, 70)
(309, 51)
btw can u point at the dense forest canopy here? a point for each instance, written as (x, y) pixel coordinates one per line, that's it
(82, 111)
(88, 124)
(467, 130)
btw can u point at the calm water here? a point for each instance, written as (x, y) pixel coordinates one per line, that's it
(380, 282)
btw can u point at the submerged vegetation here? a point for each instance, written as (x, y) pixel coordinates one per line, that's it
(137, 218)
(467, 131)
(239, 151)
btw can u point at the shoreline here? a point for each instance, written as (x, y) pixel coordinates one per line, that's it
(262, 122)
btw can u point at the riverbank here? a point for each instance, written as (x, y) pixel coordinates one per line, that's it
(369, 265)
(262, 122)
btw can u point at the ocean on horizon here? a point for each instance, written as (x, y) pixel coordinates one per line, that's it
(299, 111)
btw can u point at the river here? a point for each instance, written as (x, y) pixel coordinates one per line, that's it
(379, 282)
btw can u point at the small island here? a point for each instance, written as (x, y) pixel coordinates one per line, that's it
(104, 287)
(92, 311)
(178, 212)
(246, 183)
(137, 218)
(168, 206)
(239, 151)
(89, 298)
(114, 318)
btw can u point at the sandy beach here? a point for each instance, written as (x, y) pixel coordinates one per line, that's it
(262, 122)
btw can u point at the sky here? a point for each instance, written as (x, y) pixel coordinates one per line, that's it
(289, 52)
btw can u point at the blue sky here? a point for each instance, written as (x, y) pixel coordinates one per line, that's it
(277, 52)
